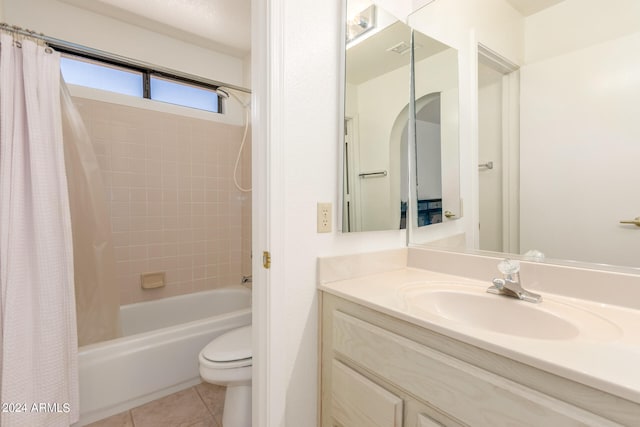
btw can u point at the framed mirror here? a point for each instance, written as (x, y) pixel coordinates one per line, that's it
(375, 157)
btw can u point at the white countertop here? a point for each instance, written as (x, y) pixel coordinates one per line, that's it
(608, 362)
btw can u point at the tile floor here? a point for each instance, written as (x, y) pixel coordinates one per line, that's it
(199, 406)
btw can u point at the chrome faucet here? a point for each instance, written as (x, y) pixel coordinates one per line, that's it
(510, 285)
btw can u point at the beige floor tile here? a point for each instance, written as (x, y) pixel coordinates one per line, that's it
(119, 420)
(181, 409)
(213, 397)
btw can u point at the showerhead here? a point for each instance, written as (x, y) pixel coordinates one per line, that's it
(226, 93)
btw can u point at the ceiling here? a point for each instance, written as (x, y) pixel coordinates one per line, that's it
(221, 25)
(374, 57)
(529, 7)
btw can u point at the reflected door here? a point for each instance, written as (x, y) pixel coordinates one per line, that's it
(490, 157)
(580, 150)
(498, 153)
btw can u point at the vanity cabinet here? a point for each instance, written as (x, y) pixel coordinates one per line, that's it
(381, 371)
(357, 401)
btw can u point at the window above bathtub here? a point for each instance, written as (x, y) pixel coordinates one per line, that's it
(140, 82)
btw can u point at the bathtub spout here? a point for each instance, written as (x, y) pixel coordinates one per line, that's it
(247, 279)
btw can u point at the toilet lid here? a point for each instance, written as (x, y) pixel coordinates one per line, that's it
(229, 347)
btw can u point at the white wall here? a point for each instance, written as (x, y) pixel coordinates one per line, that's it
(576, 24)
(377, 113)
(428, 157)
(70, 23)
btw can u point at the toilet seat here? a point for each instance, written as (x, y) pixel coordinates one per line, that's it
(229, 350)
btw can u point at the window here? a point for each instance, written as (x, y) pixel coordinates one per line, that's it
(102, 76)
(142, 83)
(173, 92)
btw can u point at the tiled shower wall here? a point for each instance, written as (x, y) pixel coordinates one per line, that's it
(173, 204)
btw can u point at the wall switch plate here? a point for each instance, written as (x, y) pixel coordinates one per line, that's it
(324, 218)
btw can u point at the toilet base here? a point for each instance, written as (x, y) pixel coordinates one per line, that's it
(237, 406)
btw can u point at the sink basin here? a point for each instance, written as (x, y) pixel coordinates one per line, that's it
(472, 306)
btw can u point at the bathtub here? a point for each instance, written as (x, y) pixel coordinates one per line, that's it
(158, 352)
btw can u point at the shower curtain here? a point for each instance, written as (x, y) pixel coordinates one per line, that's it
(96, 289)
(38, 357)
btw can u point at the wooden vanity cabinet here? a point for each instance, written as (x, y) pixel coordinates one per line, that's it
(357, 401)
(380, 371)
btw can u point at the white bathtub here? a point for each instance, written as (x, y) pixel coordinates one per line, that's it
(158, 354)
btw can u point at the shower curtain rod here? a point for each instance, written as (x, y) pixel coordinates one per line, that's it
(88, 52)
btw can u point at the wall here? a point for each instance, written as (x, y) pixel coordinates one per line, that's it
(377, 112)
(575, 24)
(77, 25)
(428, 157)
(173, 205)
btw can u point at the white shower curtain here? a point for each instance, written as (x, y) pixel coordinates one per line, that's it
(38, 353)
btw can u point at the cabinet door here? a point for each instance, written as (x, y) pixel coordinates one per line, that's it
(359, 402)
(418, 414)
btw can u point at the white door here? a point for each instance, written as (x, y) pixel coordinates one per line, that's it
(498, 153)
(490, 157)
(580, 151)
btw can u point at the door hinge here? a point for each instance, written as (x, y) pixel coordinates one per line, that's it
(266, 259)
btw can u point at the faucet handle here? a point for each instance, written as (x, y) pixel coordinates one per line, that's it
(499, 283)
(509, 266)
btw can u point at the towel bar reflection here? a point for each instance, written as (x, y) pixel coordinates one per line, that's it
(488, 165)
(373, 174)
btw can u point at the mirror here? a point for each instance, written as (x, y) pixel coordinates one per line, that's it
(375, 149)
(561, 133)
(376, 98)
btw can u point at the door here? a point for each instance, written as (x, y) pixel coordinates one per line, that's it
(580, 136)
(498, 153)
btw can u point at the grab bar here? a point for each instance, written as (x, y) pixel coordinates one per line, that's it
(373, 174)
(488, 165)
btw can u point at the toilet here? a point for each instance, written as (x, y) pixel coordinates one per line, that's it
(227, 361)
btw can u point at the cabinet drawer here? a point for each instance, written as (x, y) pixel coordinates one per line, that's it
(472, 395)
(359, 402)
